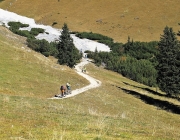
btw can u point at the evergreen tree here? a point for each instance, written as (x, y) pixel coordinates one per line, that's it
(68, 53)
(169, 63)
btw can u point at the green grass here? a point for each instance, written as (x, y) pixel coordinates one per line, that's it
(27, 79)
(31, 74)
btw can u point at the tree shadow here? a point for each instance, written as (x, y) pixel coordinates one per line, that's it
(154, 92)
(164, 105)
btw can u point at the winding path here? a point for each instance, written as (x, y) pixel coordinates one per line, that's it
(93, 82)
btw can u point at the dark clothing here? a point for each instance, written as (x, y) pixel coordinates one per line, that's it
(63, 89)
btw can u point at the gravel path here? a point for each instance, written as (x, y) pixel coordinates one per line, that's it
(93, 82)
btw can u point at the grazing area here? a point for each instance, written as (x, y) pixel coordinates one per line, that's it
(103, 104)
(142, 20)
(27, 79)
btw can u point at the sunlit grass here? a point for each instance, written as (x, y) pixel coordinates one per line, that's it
(122, 19)
(28, 73)
(27, 79)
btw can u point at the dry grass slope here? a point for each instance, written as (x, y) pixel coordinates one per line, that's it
(108, 113)
(142, 20)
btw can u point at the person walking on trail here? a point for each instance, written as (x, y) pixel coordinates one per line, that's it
(63, 90)
(84, 69)
(68, 86)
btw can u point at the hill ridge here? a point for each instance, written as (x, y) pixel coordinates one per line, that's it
(142, 20)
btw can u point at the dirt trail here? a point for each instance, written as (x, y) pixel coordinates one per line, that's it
(93, 82)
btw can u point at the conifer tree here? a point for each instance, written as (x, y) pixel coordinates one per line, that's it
(169, 63)
(68, 53)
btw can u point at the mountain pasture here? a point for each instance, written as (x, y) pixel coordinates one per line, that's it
(27, 79)
(142, 20)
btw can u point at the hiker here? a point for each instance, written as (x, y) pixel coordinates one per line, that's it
(84, 69)
(63, 90)
(68, 87)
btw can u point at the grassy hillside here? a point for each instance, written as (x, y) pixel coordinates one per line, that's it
(23, 70)
(27, 79)
(142, 20)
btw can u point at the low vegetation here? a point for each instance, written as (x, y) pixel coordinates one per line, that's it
(121, 108)
(43, 46)
(151, 63)
(27, 79)
(134, 60)
(66, 56)
(95, 36)
(15, 28)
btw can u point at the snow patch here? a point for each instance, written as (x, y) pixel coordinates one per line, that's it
(51, 34)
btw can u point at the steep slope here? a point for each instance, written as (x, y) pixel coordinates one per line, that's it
(27, 73)
(107, 112)
(142, 20)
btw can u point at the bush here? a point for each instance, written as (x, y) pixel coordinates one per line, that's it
(106, 42)
(36, 31)
(24, 33)
(141, 71)
(54, 23)
(39, 30)
(141, 50)
(14, 27)
(87, 51)
(17, 25)
(93, 36)
(32, 43)
(46, 54)
(43, 47)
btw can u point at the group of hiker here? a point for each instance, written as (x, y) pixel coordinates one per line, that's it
(65, 90)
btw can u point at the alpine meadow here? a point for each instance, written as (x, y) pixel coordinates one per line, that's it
(129, 92)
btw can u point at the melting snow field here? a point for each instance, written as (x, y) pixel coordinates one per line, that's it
(80, 44)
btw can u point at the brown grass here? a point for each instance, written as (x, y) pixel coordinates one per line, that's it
(107, 113)
(142, 20)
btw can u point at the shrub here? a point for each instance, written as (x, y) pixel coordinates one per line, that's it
(54, 23)
(46, 54)
(36, 31)
(17, 25)
(106, 42)
(24, 33)
(43, 47)
(93, 36)
(39, 30)
(87, 51)
(14, 27)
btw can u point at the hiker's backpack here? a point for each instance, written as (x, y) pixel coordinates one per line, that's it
(62, 87)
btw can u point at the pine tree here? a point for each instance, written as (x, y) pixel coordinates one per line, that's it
(169, 63)
(68, 53)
